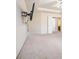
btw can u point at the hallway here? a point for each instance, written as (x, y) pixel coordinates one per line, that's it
(46, 46)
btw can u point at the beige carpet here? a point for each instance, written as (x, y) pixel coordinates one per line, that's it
(42, 47)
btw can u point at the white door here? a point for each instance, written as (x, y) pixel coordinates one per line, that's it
(51, 24)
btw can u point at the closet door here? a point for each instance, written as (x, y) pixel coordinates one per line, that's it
(51, 24)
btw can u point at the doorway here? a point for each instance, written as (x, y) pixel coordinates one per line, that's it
(53, 24)
(59, 24)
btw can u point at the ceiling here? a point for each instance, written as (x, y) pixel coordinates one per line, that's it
(53, 5)
(41, 5)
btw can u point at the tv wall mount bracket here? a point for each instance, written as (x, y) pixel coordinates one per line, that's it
(25, 14)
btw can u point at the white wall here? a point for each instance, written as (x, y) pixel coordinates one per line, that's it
(35, 24)
(21, 31)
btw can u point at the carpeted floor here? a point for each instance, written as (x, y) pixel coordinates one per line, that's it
(38, 46)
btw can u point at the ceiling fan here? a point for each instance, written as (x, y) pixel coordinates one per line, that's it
(59, 3)
(25, 14)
